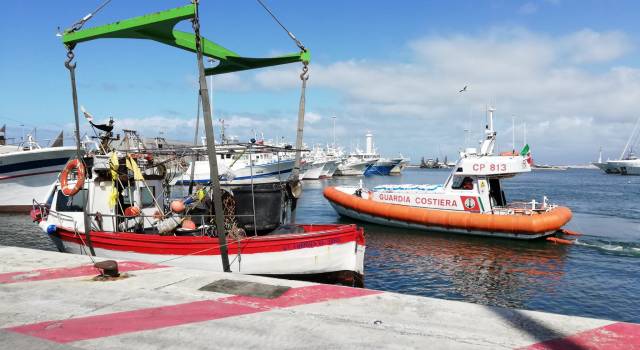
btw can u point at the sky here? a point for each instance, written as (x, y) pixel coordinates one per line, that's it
(568, 70)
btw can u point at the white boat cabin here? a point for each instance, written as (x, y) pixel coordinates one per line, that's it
(473, 185)
(108, 209)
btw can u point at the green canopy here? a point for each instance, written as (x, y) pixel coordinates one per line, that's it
(159, 27)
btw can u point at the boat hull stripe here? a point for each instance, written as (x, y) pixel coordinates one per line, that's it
(169, 245)
(30, 174)
(32, 164)
(91, 327)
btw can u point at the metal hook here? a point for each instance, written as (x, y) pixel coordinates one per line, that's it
(70, 57)
(304, 76)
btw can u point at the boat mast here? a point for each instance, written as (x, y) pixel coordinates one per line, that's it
(600, 155)
(633, 133)
(490, 135)
(513, 134)
(334, 131)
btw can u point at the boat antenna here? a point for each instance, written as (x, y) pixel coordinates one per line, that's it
(293, 37)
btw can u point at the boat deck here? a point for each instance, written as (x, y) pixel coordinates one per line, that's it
(49, 300)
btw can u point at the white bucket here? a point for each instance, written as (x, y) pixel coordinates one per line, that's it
(168, 224)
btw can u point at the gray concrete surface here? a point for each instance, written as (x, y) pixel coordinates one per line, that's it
(379, 320)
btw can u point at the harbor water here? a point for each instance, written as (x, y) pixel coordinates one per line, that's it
(596, 277)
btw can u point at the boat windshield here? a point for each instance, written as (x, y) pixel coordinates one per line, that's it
(73, 203)
(462, 183)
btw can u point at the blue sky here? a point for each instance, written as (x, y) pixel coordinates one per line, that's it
(568, 69)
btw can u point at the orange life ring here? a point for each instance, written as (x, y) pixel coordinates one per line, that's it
(66, 172)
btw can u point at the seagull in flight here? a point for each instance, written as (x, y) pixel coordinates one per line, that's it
(463, 89)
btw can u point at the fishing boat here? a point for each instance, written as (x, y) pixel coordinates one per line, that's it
(241, 164)
(401, 164)
(320, 164)
(27, 171)
(114, 204)
(138, 225)
(383, 166)
(330, 167)
(354, 166)
(471, 201)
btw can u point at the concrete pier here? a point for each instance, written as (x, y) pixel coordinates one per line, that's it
(51, 300)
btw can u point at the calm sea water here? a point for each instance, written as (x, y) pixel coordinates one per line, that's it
(597, 277)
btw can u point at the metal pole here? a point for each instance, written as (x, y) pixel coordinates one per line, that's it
(334, 131)
(513, 133)
(295, 173)
(74, 93)
(195, 144)
(211, 149)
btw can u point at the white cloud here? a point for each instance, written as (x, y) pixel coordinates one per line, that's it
(312, 118)
(413, 106)
(588, 46)
(545, 81)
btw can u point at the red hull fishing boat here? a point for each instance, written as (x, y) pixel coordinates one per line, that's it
(113, 203)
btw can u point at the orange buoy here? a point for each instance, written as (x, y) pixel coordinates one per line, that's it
(66, 173)
(559, 240)
(188, 224)
(177, 206)
(132, 211)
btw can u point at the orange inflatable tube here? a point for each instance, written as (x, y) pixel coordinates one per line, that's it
(521, 224)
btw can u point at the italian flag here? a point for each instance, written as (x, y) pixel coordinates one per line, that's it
(527, 153)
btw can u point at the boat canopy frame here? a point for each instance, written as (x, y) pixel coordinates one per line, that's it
(159, 26)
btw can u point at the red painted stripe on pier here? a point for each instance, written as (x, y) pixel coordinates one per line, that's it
(91, 327)
(67, 272)
(616, 336)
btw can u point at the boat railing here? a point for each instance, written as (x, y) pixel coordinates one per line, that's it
(143, 223)
(524, 208)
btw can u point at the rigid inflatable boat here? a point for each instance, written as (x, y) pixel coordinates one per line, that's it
(471, 201)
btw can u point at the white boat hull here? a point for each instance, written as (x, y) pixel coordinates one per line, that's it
(259, 173)
(329, 169)
(607, 168)
(626, 167)
(28, 175)
(314, 260)
(353, 169)
(312, 171)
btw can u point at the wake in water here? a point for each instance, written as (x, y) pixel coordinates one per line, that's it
(613, 247)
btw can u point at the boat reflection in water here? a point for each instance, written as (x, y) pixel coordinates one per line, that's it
(485, 271)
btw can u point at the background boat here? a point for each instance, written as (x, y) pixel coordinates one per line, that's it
(28, 170)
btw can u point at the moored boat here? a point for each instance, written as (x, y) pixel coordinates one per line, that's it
(402, 163)
(354, 166)
(471, 201)
(382, 166)
(27, 171)
(114, 203)
(628, 163)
